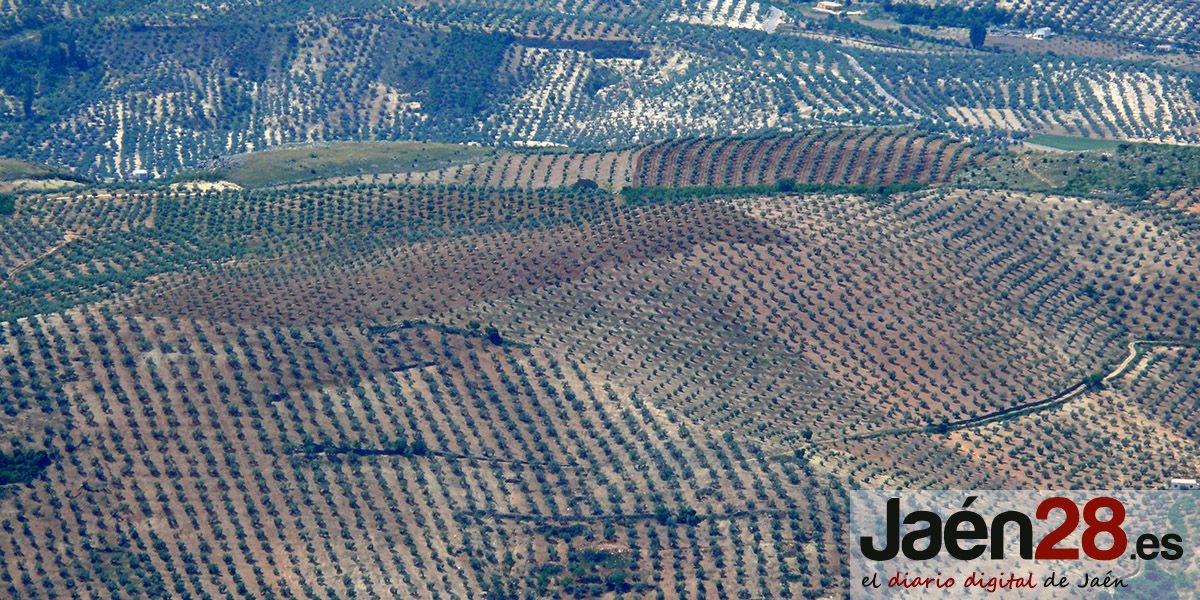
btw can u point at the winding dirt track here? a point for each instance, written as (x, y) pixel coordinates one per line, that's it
(880, 90)
(1136, 350)
(68, 237)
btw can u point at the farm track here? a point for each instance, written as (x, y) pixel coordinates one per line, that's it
(880, 90)
(68, 237)
(1029, 167)
(1135, 352)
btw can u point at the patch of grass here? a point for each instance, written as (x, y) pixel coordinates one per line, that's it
(295, 165)
(11, 169)
(1073, 144)
(1130, 171)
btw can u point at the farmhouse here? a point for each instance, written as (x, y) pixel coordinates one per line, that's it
(829, 8)
(1041, 33)
(1185, 484)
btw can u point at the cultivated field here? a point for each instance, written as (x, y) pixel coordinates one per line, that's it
(132, 92)
(576, 299)
(851, 157)
(392, 389)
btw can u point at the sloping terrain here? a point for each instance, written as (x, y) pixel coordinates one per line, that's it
(576, 299)
(161, 88)
(1171, 21)
(391, 390)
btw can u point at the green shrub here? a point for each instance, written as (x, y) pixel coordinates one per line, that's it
(22, 466)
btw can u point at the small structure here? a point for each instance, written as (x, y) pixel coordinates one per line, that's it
(1041, 33)
(829, 8)
(139, 174)
(1185, 484)
(774, 18)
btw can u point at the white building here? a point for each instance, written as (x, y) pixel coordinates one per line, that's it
(1185, 484)
(1041, 33)
(829, 8)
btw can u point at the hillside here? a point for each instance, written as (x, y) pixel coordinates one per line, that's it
(549, 391)
(164, 88)
(521, 299)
